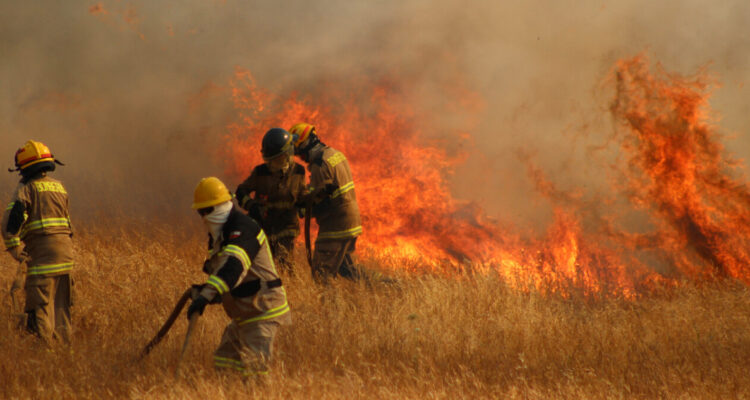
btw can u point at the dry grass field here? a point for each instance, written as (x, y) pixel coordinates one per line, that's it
(430, 337)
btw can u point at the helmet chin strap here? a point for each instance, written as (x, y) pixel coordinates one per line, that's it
(312, 141)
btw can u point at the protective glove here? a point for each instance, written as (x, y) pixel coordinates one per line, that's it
(195, 291)
(242, 196)
(330, 188)
(197, 306)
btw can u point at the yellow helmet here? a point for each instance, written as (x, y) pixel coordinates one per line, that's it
(302, 131)
(32, 153)
(210, 192)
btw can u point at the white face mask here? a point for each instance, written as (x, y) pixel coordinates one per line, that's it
(216, 219)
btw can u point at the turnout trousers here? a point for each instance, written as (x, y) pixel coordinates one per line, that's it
(332, 258)
(283, 252)
(247, 348)
(48, 301)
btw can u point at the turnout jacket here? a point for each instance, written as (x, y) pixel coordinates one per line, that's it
(242, 273)
(275, 194)
(38, 216)
(337, 214)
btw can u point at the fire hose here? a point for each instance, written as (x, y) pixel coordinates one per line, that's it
(168, 324)
(191, 325)
(308, 216)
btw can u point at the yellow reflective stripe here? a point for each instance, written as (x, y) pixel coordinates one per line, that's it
(49, 269)
(222, 364)
(272, 313)
(10, 206)
(248, 373)
(45, 223)
(335, 159)
(343, 189)
(218, 283)
(12, 242)
(357, 230)
(230, 361)
(239, 253)
(270, 259)
(261, 237)
(50, 187)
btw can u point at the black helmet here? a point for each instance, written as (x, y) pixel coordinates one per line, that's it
(276, 142)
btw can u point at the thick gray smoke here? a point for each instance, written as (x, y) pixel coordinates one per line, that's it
(132, 94)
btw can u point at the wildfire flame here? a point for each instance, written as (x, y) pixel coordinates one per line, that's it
(675, 171)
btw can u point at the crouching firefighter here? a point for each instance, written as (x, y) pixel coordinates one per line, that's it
(36, 229)
(270, 192)
(334, 205)
(242, 277)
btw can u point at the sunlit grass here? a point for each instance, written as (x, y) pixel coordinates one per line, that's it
(429, 336)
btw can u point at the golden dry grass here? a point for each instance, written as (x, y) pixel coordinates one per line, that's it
(432, 337)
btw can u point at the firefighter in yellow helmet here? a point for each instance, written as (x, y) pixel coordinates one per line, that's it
(242, 277)
(334, 205)
(36, 229)
(270, 192)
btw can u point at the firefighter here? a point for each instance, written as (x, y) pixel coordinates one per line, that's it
(242, 277)
(36, 229)
(270, 192)
(334, 208)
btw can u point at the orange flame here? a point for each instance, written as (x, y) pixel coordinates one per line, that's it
(678, 169)
(401, 177)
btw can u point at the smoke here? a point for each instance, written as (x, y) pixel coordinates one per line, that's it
(134, 95)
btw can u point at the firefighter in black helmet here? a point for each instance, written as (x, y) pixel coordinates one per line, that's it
(270, 192)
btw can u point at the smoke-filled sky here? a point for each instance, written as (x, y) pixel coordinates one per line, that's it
(133, 95)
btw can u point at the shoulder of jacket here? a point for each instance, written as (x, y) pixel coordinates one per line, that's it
(239, 227)
(262, 170)
(298, 169)
(317, 161)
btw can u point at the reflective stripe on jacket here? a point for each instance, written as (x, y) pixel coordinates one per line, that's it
(38, 217)
(275, 194)
(242, 272)
(338, 215)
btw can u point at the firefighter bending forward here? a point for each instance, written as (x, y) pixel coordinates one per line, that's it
(243, 278)
(270, 192)
(38, 216)
(334, 205)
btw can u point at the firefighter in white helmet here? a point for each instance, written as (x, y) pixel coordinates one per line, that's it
(242, 277)
(36, 229)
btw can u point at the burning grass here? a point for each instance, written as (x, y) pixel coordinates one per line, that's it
(466, 336)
